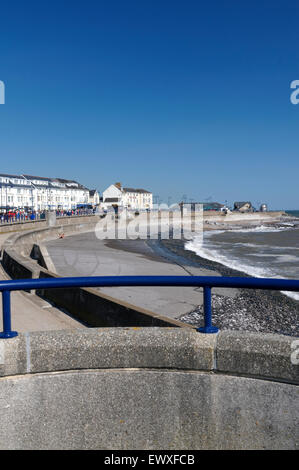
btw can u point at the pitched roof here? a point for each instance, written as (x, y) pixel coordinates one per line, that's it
(43, 178)
(133, 190)
(30, 177)
(53, 180)
(11, 176)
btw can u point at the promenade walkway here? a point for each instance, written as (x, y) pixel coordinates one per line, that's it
(31, 313)
(84, 255)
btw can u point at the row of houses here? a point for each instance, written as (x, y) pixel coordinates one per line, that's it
(39, 193)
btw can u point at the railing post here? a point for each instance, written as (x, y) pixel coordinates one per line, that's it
(6, 313)
(207, 302)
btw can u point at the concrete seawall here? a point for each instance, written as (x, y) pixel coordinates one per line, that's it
(243, 217)
(148, 388)
(43, 223)
(88, 305)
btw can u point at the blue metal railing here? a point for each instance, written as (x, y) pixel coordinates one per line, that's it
(207, 282)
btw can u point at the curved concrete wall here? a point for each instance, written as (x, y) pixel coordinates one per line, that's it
(148, 388)
(18, 248)
(85, 304)
(42, 223)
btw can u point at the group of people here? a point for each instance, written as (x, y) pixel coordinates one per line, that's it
(19, 216)
(13, 216)
(70, 213)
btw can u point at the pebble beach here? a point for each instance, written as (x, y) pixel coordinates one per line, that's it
(251, 310)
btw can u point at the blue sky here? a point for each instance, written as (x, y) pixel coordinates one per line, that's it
(178, 97)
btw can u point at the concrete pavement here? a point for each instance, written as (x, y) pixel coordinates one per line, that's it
(85, 255)
(31, 313)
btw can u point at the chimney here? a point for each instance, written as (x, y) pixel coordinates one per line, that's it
(118, 185)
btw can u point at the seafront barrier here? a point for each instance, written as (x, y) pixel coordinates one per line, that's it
(163, 386)
(50, 220)
(148, 388)
(24, 256)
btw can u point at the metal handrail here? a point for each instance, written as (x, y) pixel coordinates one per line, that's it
(207, 282)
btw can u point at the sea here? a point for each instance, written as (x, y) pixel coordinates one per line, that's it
(270, 251)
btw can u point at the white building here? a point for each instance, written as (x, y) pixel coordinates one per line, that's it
(94, 197)
(39, 193)
(130, 198)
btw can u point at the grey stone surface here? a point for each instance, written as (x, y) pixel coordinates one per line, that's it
(13, 356)
(169, 348)
(146, 409)
(51, 218)
(238, 353)
(256, 354)
(31, 313)
(85, 255)
(146, 388)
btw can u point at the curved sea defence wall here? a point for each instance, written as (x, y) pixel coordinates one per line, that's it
(19, 249)
(44, 223)
(24, 256)
(148, 388)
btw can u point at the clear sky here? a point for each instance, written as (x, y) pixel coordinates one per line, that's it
(178, 97)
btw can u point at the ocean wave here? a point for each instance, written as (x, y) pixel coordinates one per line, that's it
(292, 295)
(260, 228)
(217, 257)
(236, 264)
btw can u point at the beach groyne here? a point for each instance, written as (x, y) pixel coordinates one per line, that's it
(148, 388)
(243, 216)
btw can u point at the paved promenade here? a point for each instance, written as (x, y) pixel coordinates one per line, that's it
(85, 255)
(30, 313)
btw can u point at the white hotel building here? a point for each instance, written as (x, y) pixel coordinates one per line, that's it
(39, 193)
(130, 198)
